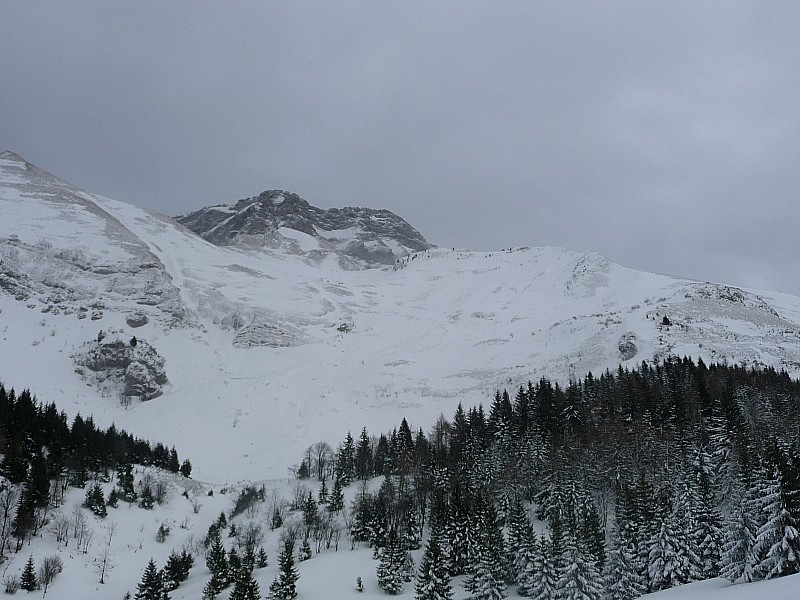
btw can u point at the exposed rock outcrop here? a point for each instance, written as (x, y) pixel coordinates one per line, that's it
(137, 320)
(627, 346)
(132, 368)
(365, 236)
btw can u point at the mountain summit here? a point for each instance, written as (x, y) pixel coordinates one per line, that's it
(359, 237)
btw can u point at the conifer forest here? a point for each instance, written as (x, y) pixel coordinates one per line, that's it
(612, 487)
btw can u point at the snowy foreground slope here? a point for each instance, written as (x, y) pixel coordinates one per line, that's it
(785, 588)
(267, 351)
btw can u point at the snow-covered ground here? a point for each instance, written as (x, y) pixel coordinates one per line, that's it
(443, 327)
(268, 352)
(330, 574)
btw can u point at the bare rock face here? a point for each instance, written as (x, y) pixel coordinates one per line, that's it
(131, 368)
(265, 334)
(363, 237)
(627, 346)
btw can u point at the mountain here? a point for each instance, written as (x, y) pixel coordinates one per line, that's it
(358, 237)
(251, 356)
(245, 348)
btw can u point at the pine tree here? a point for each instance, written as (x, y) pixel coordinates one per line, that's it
(176, 570)
(125, 482)
(391, 570)
(346, 461)
(217, 563)
(460, 534)
(245, 587)
(261, 558)
(621, 578)
(487, 579)
(211, 589)
(707, 531)
(433, 579)
(172, 572)
(666, 565)
(147, 501)
(284, 586)
(580, 579)
(777, 541)
(521, 539)
(173, 464)
(28, 581)
(234, 565)
(540, 579)
(304, 553)
(363, 457)
(152, 585)
(336, 500)
(737, 550)
(484, 585)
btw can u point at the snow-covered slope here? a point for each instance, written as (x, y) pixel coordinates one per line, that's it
(268, 352)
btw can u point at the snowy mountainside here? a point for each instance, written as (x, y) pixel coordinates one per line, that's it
(359, 237)
(61, 248)
(265, 353)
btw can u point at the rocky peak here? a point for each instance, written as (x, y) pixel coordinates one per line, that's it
(359, 236)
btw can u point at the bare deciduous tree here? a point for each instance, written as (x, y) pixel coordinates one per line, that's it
(250, 537)
(103, 564)
(111, 530)
(160, 490)
(88, 537)
(322, 455)
(290, 533)
(299, 495)
(8, 501)
(60, 527)
(50, 567)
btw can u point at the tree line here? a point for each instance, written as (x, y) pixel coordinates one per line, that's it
(44, 455)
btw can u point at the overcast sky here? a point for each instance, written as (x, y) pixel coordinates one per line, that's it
(663, 135)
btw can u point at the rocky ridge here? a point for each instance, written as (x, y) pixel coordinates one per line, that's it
(359, 237)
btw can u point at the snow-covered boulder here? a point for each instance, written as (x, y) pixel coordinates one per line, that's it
(131, 368)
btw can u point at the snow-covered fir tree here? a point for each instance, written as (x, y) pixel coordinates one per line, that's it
(621, 577)
(580, 579)
(217, 563)
(336, 499)
(28, 581)
(284, 586)
(151, 587)
(392, 565)
(433, 578)
(483, 584)
(738, 559)
(520, 541)
(540, 579)
(95, 500)
(668, 565)
(777, 545)
(245, 587)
